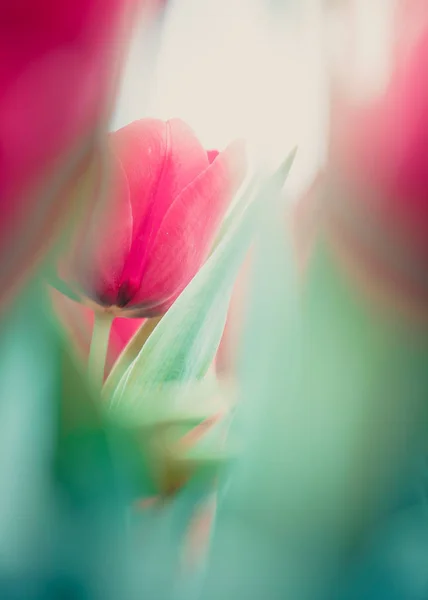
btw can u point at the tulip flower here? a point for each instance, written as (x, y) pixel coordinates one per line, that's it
(167, 197)
(58, 72)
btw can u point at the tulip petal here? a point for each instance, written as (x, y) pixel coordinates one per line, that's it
(112, 239)
(141, 146)
(186, 159)
(98, 250)
(158, 169)
(187, 232)
(104, 240)
(212, 155)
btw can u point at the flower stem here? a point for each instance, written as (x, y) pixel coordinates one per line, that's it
(99, 347)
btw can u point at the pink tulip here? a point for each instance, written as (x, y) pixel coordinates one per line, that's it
(58, 70)
(167, 199)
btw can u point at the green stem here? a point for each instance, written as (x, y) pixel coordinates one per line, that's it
(99, 347)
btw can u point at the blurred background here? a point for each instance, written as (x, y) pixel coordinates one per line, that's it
(236, 68)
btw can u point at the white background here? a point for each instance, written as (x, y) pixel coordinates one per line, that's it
(235, 68)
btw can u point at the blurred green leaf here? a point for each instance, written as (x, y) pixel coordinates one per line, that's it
(332, 412)
(332, 398)
(65, 489)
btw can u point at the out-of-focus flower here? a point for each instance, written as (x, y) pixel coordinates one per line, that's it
(380, 144)
(377, 183)
(167, 199)
(59, 66)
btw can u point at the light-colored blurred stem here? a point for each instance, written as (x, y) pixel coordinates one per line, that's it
(99, 347)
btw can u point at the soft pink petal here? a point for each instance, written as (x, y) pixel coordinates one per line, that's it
(212, 155)
(141, 147)
(103, 253)
(183, 160)
(187, 232)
